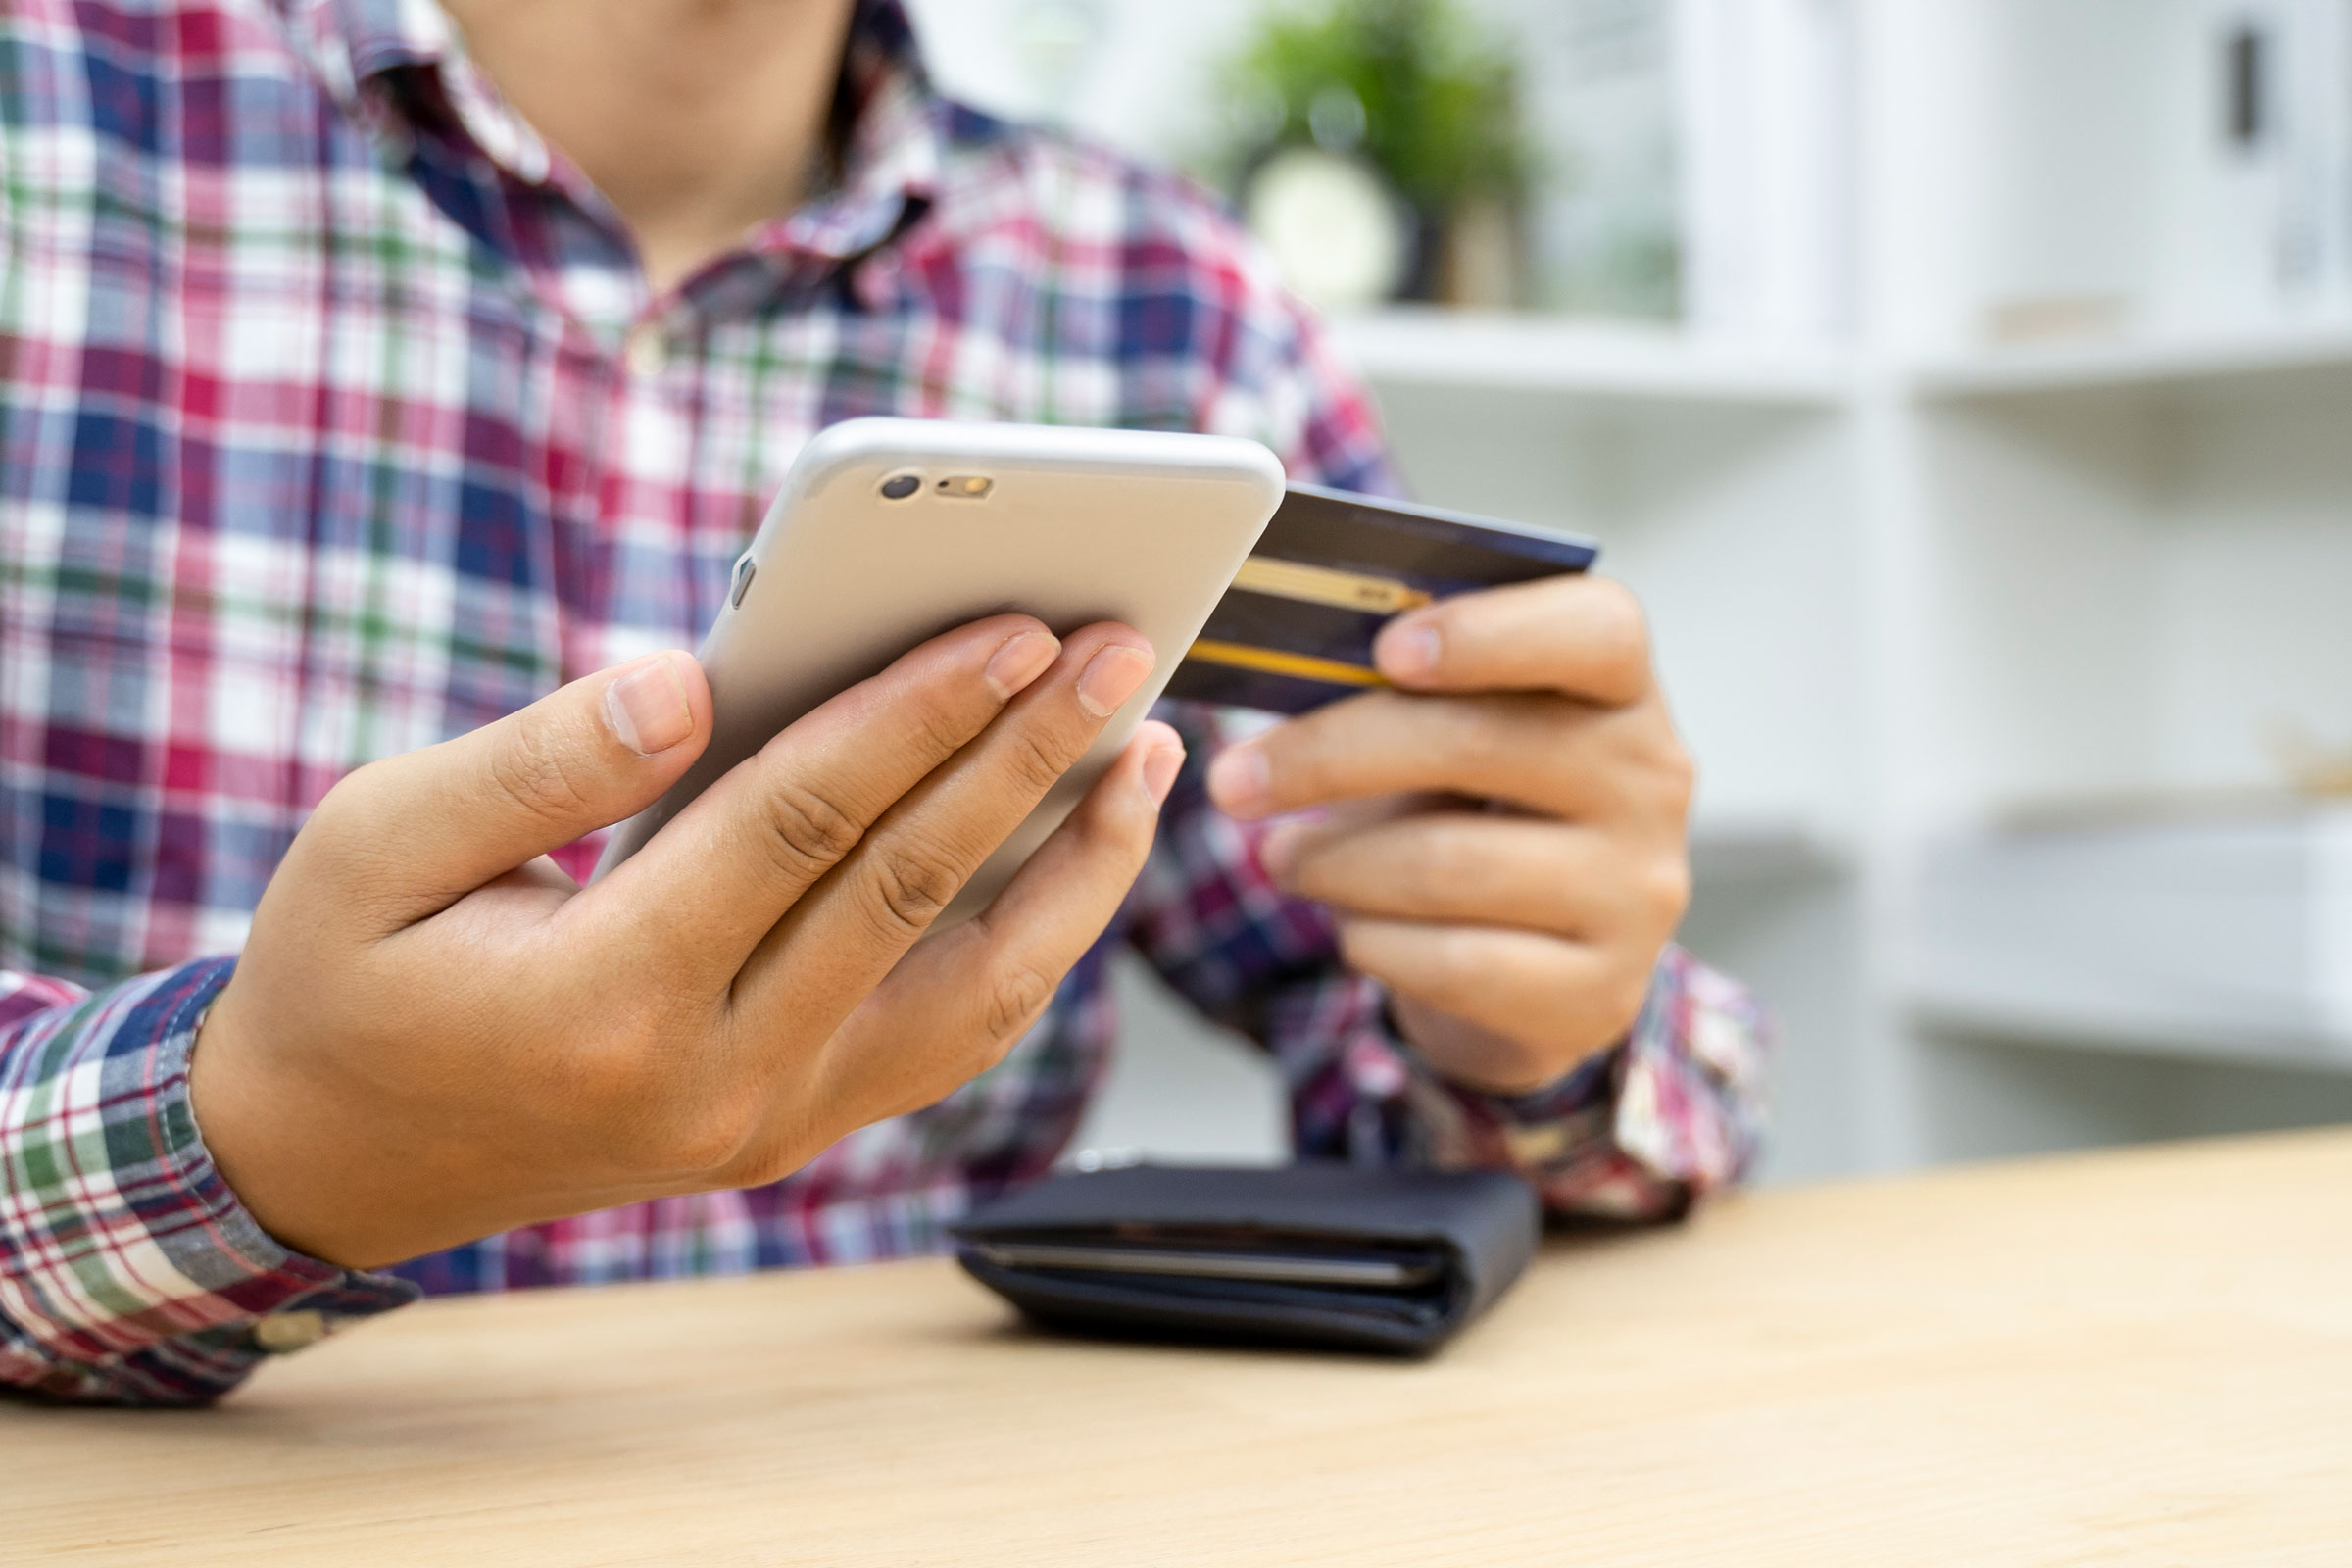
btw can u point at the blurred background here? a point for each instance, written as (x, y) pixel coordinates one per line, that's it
(1966, 385)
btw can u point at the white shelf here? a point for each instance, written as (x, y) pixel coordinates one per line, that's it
(1512, 352)
(2125, 364)
(2227, 1038)
(1508, 351)
(1761, 850)
(2215, 936)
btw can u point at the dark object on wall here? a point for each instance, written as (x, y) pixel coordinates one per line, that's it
(1413, 95)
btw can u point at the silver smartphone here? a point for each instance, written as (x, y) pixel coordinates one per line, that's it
(887, 532)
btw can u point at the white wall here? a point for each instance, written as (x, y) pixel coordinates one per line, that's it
(1142, 81)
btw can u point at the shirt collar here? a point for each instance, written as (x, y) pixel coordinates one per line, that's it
(891, 147)
(895, 121)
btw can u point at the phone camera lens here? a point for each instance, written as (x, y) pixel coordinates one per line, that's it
(899, 486)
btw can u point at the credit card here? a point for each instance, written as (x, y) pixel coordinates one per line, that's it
(1294, 630)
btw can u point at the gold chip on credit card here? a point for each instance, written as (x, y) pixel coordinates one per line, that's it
(1328, 585)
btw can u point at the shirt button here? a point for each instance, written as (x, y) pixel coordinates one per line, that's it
(286, 1332)
(643, 350)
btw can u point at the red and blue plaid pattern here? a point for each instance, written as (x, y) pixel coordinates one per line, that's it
(336, 417)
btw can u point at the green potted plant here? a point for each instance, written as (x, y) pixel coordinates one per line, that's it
(1378, 146)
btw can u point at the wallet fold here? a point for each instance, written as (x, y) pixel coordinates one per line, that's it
(1318, 1254)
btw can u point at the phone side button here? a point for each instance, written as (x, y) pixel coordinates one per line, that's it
(745, 571)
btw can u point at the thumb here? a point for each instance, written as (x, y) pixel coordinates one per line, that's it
(472, 808)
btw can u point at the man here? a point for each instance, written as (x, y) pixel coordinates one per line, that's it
(387, 390)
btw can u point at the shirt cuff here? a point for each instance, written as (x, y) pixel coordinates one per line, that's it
(129, 1273)
(1636, 1133)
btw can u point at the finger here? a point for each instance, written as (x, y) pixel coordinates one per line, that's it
(720, 875)
(1532, 873)
(986, 982)
(418, 831)
(853, 927)
(1546, 754)
(1561, 996)
(958, 1000)
(1581, 636)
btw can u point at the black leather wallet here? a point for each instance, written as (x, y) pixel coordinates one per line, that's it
(1332, 1255)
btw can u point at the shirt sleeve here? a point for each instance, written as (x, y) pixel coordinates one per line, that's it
(129, 1274)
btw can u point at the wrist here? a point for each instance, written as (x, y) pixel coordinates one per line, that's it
(286, 1150)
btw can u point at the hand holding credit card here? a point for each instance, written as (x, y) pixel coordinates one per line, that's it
(1495, 826)
(1294, 630)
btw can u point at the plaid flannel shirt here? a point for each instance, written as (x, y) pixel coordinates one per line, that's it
(337, 417)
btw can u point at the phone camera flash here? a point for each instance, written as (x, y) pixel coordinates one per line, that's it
(969, 486)
(899, 486)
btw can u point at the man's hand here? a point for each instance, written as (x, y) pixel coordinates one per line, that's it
(433, 1035)
(1506, 843)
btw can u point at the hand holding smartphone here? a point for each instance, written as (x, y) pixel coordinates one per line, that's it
(889, 531)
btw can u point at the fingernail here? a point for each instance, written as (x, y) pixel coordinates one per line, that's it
(1160, 773)
(647, 709)
(1407, 650)
(1238, 780)
(1019, 662)
(1111, 677)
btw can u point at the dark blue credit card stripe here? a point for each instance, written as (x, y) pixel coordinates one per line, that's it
(1564, 552)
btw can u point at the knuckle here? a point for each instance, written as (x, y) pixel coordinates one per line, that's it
(1652, 777)
(363, 800)
(940, 728)
(355, 798)
(1620, 634)
(1036, 756)
(1016, 994)
(1516, 1062)
(1678, 772)
(1666, 889)
(343, 842)
(913, 881)
(1623, 996)
(532, 770)
(349, 795)
(805, 830)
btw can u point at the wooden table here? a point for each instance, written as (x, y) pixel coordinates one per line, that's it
(2141, 1357)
